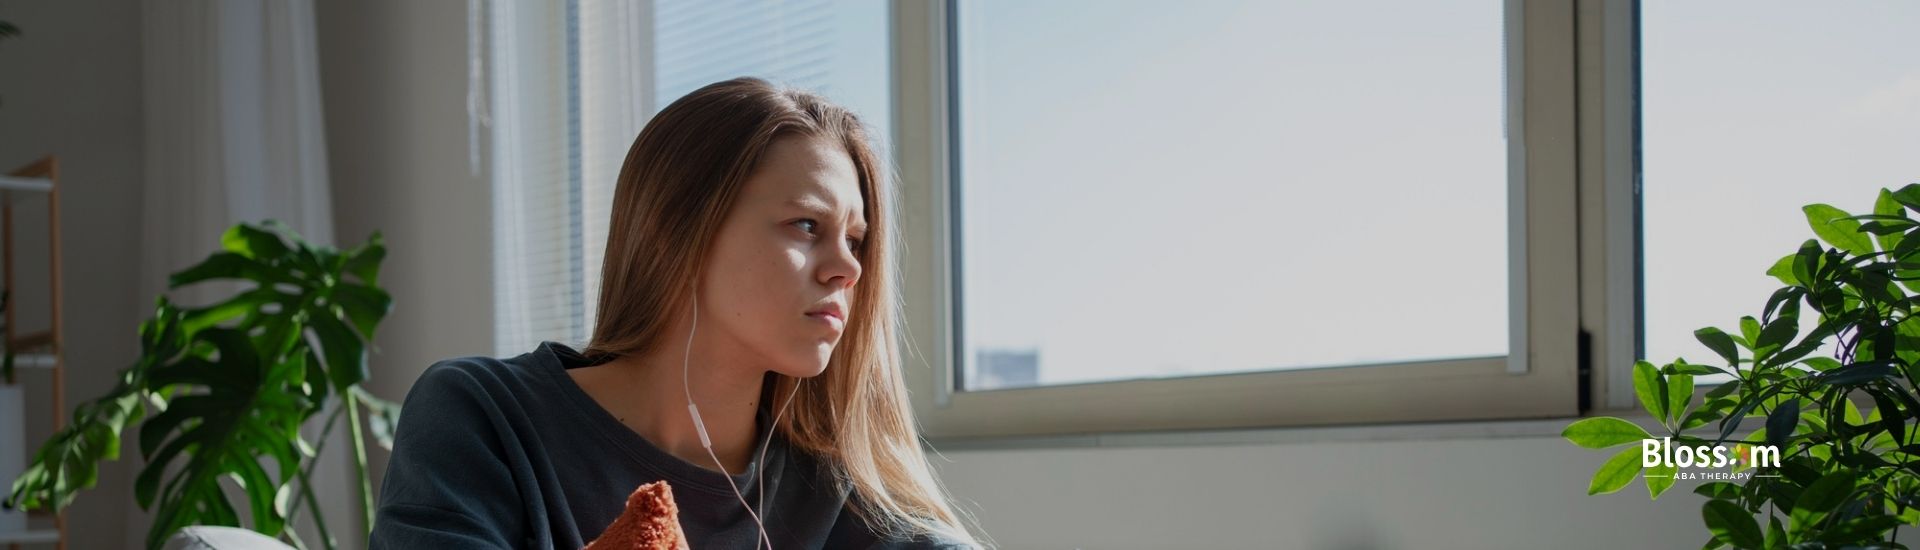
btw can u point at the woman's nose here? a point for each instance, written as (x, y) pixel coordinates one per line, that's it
(842, 269)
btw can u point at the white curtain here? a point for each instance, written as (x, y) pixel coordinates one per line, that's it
(569, 90)
(234, 133)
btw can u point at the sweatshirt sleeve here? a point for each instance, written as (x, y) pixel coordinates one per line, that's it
(448, 483)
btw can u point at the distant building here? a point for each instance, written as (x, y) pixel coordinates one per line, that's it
(1005, 368)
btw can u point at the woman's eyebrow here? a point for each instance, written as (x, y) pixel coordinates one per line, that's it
(819, 207)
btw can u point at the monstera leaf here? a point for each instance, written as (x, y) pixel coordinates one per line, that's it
(251, 409)
(231, 384)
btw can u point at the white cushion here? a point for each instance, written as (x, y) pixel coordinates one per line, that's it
(206, 537)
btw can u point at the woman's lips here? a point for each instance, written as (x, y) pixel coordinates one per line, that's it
(829, 319)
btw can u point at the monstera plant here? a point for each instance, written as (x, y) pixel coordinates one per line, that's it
(1837, 401)
(229, 386)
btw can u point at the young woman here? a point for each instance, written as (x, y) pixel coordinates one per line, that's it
(745, 351)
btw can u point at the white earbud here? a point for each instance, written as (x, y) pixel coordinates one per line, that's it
(707, 441)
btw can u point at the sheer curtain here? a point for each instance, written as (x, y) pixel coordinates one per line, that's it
(233, 133)
(566, 93)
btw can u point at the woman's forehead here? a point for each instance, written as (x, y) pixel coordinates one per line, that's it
(807, 173)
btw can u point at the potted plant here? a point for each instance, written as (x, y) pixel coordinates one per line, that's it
(230, 384)
(1848, 468)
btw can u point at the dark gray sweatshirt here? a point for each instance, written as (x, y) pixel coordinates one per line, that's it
(493, 453)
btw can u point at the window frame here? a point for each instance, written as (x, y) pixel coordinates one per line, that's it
(1541, 377)
(1610, 197)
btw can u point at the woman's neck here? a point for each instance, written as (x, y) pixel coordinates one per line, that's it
(646, 393)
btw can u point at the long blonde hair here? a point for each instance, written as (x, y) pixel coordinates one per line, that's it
(680, 178)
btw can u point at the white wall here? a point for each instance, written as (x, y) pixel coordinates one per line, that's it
(1465, 486)
(70, 86)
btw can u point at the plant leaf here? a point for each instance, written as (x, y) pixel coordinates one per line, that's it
(1886, 205)
(1679, 394)
(1783, 270)
(364, 261)
(1723, 389)
(1651, 389)
(1909, 196)
(1776, 335)
(1821, 498)
(345, 355)
(1862, 530)
(365, 306)
(1781, 422)
(1616, 472)
(1659, 478)
(1750, 328)
(1603, 431)
(246, 414)
(1720, 343)
(1821, 363)
(1718, 490)
(1858, 373)
(1834, 226)
(253, 243)
(1747, 403)
(1732, 524)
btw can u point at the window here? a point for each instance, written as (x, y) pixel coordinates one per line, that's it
(1750, 112)
(574, 81)
(1226, 187)
(1140, 219)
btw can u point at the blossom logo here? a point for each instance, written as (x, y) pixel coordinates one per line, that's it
(1661, 453)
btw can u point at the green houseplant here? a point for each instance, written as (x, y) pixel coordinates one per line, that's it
(1846, 479)
(229, 386)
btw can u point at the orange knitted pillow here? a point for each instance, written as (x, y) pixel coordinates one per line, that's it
(650, 522)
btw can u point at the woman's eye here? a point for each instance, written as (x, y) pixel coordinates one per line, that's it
(809, 226)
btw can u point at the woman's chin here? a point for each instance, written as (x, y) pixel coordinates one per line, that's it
(802, 372)
(808, 367)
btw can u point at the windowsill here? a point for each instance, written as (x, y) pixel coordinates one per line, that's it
(1434, 431)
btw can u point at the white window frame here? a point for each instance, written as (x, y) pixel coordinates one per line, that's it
(1542, 377)
(1610, 197)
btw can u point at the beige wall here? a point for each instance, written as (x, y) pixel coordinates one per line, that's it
(394, 87)
(394, 82)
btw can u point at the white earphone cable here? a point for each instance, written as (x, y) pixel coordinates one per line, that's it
(759, 479)
(707, 441)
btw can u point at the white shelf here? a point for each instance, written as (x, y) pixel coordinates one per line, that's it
(16, 183)
(29, 536)
(33, 360)
(32, 351)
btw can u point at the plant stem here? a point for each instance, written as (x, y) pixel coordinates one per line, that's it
(306, 485)
(319, 520)
(318, 449)
(360, 463)
(292, 537)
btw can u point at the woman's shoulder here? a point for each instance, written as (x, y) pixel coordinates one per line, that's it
(480, 371)
(476, 380)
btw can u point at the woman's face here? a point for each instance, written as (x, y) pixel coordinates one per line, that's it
(784, 255)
